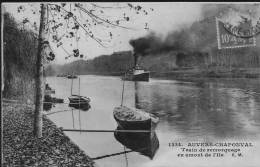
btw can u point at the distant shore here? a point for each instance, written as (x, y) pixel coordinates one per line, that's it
(209, 73)
(193, 73)
(21, 148)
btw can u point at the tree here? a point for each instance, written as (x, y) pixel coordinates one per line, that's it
(73, 24)
(19, 64)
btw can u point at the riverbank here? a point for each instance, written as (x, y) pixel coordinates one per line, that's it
(194, 73)
(21, 148)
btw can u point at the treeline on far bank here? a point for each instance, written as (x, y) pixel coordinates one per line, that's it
(105, 64)
(20, 48)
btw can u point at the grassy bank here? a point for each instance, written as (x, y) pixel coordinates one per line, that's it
(21, 148)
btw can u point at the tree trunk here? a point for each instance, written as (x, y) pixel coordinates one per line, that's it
(39, 82)
(2, 50)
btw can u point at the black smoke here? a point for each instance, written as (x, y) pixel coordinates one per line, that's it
(199, 37)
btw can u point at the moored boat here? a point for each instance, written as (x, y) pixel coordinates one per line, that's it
(80, 102)
(134, 119)
(48, 90)
(72, 76)
(61, 75)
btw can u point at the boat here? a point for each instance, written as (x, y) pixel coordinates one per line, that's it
(79, 102)
(61, 75)
(137, 73)
(145, 143)
(134, 119)
(49, 90)
(72, 76)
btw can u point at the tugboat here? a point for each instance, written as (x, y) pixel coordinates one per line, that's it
(137, 73)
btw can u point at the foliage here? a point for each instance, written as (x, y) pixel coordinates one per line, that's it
(72, 22)
(115, 63)
(20, 47)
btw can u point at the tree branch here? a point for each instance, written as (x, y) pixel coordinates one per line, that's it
(92, 36)
(108, 7)
(95, 16)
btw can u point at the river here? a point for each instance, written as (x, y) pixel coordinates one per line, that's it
(220, 110)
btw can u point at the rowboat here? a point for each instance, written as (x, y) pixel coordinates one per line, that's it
(72, 76)
(80, 102)
(134, 119)
(145, 143)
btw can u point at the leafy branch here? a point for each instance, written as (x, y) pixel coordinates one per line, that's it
(58, 13)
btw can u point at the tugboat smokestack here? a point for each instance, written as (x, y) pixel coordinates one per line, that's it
(135, 58)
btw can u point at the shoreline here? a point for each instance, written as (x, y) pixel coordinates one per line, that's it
(21, 148)
(194, 73)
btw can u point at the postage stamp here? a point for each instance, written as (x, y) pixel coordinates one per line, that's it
(228, 40)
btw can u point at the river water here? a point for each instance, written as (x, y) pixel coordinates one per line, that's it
(221, 110)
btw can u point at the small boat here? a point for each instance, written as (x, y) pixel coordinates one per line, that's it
(49, 90)
(57, 100)
(137, 74)
(145, 143)
(61, 75)
(72, 76)
(134, 119)
(79, 102)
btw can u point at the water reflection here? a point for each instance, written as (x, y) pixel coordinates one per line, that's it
(201, 108)
(83, 106)
(145, 143)
(227, 110)
(47, 106)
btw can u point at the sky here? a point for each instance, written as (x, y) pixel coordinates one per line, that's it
(166, 17)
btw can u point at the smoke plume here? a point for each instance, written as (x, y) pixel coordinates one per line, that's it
(199, 37)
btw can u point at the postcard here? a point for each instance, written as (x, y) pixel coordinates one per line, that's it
(135, 84)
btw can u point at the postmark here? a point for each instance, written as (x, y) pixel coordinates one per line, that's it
(227, 40)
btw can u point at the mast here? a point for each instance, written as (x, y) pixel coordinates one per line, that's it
(71, 86)
(122, 97)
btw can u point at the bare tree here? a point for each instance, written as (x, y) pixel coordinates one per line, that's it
(59, 21)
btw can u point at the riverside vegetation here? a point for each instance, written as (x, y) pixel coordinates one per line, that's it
(20, 147)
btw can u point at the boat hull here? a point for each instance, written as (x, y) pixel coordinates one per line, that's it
(134, 125)
(124, 118)
(137, 77)
(79, 102)
(71, 77)
(141, 77)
